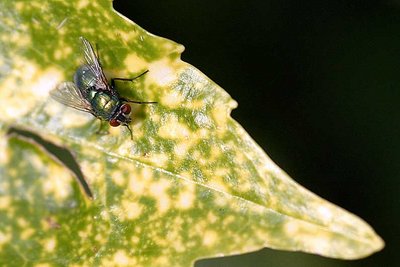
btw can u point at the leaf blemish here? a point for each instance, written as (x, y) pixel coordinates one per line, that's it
(60, 154)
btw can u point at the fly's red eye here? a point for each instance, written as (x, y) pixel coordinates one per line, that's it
(126, 108)
(114, 123)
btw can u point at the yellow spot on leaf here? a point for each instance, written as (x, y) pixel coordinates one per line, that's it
(83, 234)
(22, 222)
(136, 186)
(162, 261)
(132, 210)
(73, 118)
(202, 120)
(325, 213)
(83, 4)
(161, 73)
(203, 133)
(135, 63)
(44, 81)
(122, 259)
(182, 148)
(158, 159)
(59, 186)
(211, 218)
(172, 100)
(195, 104)
(187, 196)
(319, 243)
(158, 191)
(36, 161)
(135, 240)
(209, 238)
(94, 168)
(220, 115)
(19, 6)
(4, 238)
(218, 184)
(14, 107)
(5, 202)
(27, 233)
(118, 178)
(291, 228)
(50, 244)
(173, 129)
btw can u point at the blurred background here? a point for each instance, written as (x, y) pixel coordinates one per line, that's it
(318, 87)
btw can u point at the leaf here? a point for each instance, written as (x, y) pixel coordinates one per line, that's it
(191, 184)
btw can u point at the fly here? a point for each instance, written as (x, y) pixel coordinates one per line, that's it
(90, 92)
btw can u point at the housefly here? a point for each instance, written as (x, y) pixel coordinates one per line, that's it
(91, 92)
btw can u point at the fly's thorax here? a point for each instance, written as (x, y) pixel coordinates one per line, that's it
(84, 77)
(104, 105)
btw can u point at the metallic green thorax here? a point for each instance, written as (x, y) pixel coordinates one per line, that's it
(103, 104)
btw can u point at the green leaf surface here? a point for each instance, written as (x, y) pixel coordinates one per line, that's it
(191, 184)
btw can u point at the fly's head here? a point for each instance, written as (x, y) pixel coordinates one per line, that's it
(121, 117)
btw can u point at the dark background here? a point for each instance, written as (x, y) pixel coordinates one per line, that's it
(318, 87)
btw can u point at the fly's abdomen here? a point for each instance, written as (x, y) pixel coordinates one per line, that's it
(104, 105)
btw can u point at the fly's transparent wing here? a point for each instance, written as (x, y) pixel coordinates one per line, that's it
(68, 94)
(93, 63)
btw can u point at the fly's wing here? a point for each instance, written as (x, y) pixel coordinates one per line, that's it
(93, 63)
(68, 94)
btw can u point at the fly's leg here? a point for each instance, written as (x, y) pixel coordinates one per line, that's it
(127, 79)
(130, 130)
(131, 80)
(100, 129)
(138, 102)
